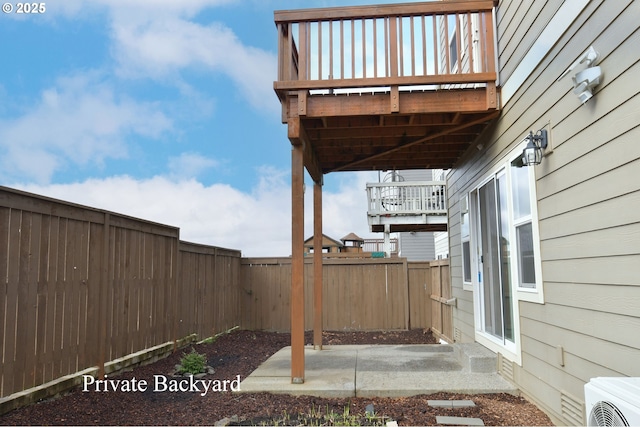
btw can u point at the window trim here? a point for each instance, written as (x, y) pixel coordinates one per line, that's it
(466, 199)
(535, 295)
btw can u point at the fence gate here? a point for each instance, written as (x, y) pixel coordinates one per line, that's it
(441, 301)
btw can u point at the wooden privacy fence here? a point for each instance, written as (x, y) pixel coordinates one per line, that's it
(358, 293)
(82, 286)
(209, 290)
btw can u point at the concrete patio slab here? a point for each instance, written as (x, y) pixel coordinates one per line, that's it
(376, 371)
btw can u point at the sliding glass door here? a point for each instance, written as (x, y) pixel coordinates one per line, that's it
(494, 268)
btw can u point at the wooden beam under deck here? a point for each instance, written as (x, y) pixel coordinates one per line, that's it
(350, 166)
(361, 132)
(369, 104)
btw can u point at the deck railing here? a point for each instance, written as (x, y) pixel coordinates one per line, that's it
(407, 198)
(377, 245)
(402, 45)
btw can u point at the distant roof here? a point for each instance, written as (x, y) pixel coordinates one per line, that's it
(352, 237)
(326, 242)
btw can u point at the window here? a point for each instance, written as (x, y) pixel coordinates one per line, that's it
(526, 264)
(453, 24)
(521, 194)
(466, 244)
(453, 52)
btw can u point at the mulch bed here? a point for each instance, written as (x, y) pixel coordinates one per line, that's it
(239, 353)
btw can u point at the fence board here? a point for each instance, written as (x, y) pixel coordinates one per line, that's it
(41, 299)
(13, 257)
(4, 258)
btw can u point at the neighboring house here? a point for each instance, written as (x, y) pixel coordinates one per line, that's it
(329, 245)
(411, 205)
(351, 243)
(417, 245)
(545, 260)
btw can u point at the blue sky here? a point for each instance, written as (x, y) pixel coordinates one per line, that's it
(163, 110)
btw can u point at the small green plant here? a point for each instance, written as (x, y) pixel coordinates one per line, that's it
(193, 363)
(318, 416)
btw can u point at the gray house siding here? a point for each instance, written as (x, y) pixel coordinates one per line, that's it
(417, 246)
(588, 203)
(417, 174)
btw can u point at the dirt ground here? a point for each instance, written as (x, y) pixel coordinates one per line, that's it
(239, 353)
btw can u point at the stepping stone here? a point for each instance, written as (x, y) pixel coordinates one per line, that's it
(459, 421)
(451, 403)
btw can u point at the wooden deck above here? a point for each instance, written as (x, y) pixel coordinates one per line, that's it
(403, 86)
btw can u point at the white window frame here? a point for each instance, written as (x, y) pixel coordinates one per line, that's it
(535, 295)
(465, 215)
(452, 46)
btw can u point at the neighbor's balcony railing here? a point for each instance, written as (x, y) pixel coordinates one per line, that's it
(377, 245)
(407, 198)
(390, 46)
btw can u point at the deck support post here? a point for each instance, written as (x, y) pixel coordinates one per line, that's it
(317, 266)
(297, 264)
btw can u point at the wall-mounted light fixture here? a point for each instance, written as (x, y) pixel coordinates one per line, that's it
(532, 153)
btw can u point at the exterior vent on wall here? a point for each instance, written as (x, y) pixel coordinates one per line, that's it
(612, 401)
(457, 335)
(505, 368)
(572, 409)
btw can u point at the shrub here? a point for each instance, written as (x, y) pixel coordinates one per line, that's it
(193, 363)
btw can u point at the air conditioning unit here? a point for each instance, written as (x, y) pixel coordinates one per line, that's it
(612, 401)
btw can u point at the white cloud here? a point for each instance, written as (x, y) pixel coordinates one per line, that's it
(80, 8)
(345, 210)
(257, 223)
(80, 120)
(161, 47)
(160, 38)
(190, 165)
